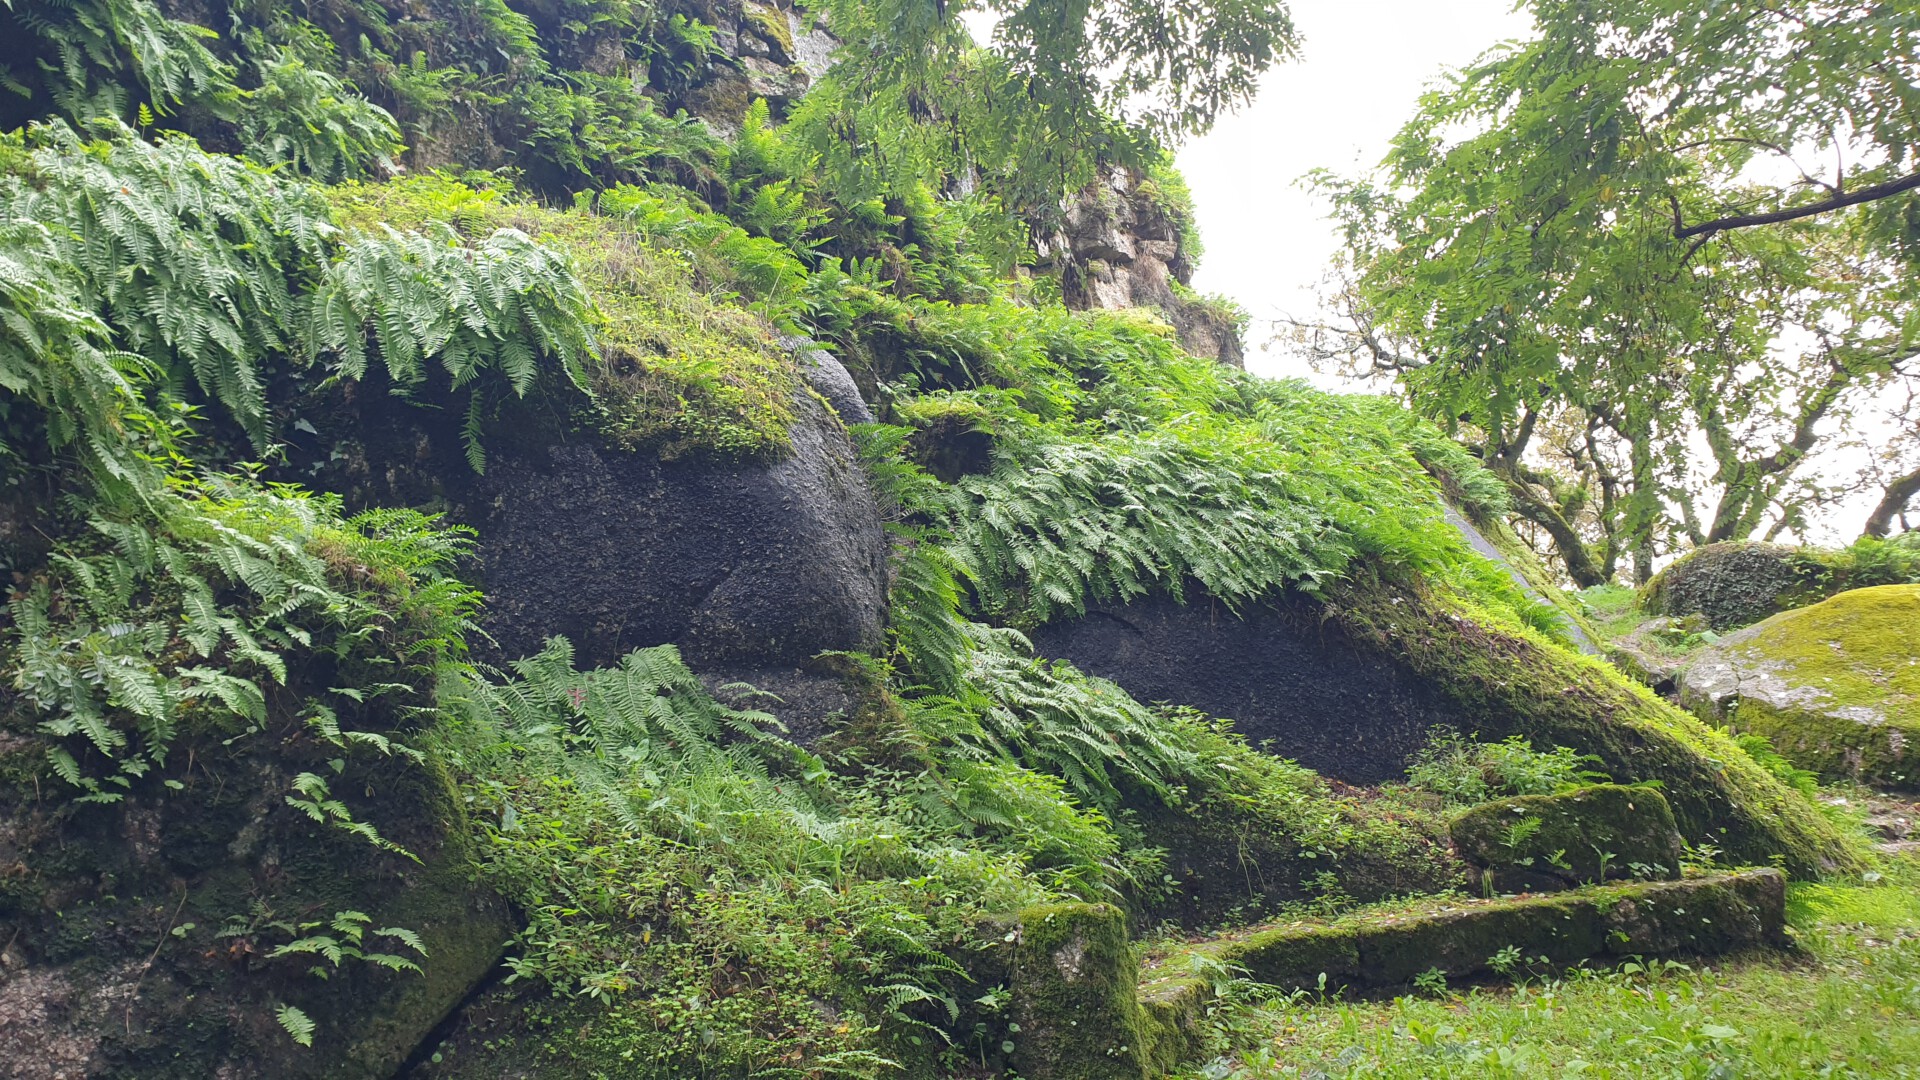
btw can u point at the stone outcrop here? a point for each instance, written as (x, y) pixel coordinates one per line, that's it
(1734, 584)
(1353, 682)
(755, 565)
(1118, 244)
(750, 569)
(1834, 686)
(769, 50)
(1290, 681)
(1544, 843)
(140, 934)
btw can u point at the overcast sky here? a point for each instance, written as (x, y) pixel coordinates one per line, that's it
(1363, 65)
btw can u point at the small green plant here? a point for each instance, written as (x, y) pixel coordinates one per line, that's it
(1507, 960)
(1432, 981)
(1463, 772)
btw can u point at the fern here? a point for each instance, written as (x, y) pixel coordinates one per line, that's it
(295, 1023)
(125, 266)
(191, 615)
(308, 119)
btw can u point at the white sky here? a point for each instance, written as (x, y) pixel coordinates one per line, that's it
(1363, 65)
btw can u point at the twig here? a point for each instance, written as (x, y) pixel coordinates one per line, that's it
(151, 957)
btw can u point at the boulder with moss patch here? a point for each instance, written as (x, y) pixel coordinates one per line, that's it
(1075, 995)
(1352, 683)
(1739, 583)
(1551, 842)
(1835, 686)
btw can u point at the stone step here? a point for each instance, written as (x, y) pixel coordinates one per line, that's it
(1081, 1018)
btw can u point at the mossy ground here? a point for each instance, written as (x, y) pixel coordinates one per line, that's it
(1845, 1004)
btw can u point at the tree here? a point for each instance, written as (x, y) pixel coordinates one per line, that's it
(1063, 85)
(1616, 232)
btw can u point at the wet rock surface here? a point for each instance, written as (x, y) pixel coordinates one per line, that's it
(1282, 675)
(755, 566)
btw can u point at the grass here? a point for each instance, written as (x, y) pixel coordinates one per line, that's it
(1848, 1005)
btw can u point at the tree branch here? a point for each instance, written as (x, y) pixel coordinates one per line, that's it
(1840, 202)
(1900, 492)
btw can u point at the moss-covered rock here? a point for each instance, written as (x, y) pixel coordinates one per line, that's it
(140, 935)
(1574, 838)
(1515, 683)
(1742, 582)
(1733, 584)
(1468, 938)
(1075, 986)
(1835, 686)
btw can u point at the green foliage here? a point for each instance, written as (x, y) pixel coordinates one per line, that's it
(344, 938)
(1056, 88)
(1114, 518)
(1463, 772)
(190, 620)
(1602, 249)
(488, 312)
(210, 270)
(1051, 718)
(663, 846)
(309, 120)
(1121, 466)
(674, 368)
(1761, 750)
(298, 1025)
(114, 58)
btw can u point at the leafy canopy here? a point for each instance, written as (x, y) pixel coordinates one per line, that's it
(1652, 226)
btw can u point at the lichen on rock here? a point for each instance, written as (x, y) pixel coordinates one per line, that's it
(1835, 686)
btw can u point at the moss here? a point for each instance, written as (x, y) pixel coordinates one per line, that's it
(953, 434)
(1845, 685)
(1466, 938)
(1703, 917)
(680, 372)
(1076, 996)
(1461, 943)
(772, 26)
(1300, 956)
(1515, 683)
(1577, 837)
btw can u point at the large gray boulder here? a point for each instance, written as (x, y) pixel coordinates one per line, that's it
(1834, 686)
(752, 570)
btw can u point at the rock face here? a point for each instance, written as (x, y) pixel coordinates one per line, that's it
(769, 51)
(1118, 246)
(741, 566)
(1479, 542)
(136, 938)
(1279, 673)
(1835, 686)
